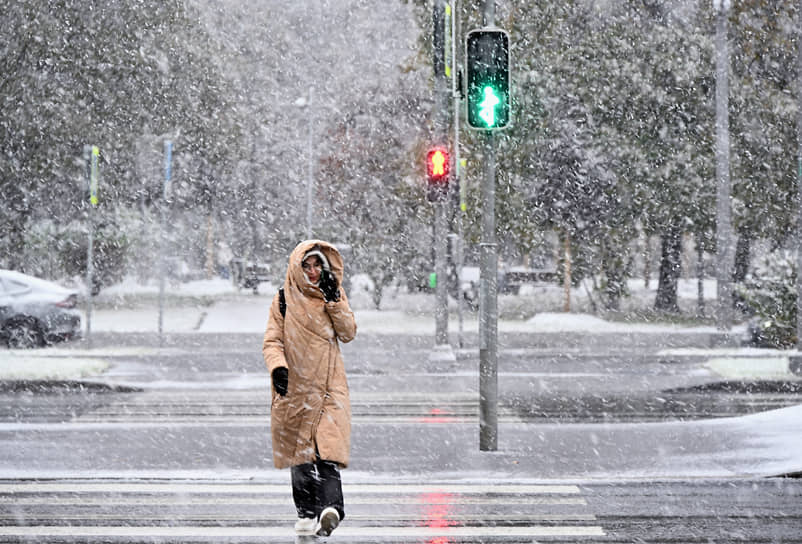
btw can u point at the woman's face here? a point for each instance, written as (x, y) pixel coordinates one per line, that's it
(312, 268)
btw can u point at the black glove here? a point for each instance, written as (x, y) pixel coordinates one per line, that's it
(281, 378)
(328, 284)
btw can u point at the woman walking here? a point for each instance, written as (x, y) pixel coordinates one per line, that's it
(310, 414)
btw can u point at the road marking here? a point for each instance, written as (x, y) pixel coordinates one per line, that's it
(138, 518)
(189, 510)
(247, 488)
(234, 421)
(283, 500)
(222, 532)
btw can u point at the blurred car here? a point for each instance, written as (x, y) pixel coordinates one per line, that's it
(35, 312)
(248, 275)
(511, 279)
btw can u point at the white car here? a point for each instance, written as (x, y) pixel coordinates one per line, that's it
(35, 312)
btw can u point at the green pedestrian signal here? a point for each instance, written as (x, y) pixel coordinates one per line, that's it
(487, 107)
(488, 78)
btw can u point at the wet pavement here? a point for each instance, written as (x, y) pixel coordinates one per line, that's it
(431, 512)
(613, 440)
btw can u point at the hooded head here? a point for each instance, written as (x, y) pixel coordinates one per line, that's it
(329, 257)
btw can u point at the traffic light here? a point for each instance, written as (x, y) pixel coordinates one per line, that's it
(437, 168)
(437, 165)
(488, 78)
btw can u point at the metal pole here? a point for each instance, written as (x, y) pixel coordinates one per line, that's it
(89, 251)
(168, 153)
(310, 180)
(488, 301)
(724, 237)
(455, 94)
(799, 180)
(488, 311)
(441, 125)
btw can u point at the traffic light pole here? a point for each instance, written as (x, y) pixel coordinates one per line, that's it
(488, 306)
(442, 349)
(488, 291)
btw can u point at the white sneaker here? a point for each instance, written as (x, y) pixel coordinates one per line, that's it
(305, 526)
(329, 520)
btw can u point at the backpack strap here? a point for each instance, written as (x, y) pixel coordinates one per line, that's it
(282, 302)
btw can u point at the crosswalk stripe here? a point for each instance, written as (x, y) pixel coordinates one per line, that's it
(222, 532)
(248, 488)
(177, 510)
(282, 501)
(217, 517)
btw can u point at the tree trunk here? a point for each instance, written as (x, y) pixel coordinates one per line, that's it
(670, 269)
(378, 289)
(700, 278)
(209, 246)
(614, 287)
(743, 250)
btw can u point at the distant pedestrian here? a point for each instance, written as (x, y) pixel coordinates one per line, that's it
(310, 413)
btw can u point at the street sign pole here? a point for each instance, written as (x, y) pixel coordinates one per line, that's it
(168, 166)
(91, 157)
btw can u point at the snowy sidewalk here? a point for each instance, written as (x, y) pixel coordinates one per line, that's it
(248, 314)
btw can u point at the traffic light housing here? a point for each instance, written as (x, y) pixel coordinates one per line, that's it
(437, 169)
(487, 52)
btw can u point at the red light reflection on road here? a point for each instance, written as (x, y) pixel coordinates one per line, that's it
(438, 415)
(438, 514)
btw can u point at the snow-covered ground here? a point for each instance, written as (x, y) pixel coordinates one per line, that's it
(27, 365)
(216, 306)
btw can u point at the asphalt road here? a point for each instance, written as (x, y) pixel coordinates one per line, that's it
(432, 512)
(171, 445)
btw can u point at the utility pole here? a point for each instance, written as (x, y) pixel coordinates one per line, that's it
(310, 174)
(488, 288)
(799, 178)
(724, 237)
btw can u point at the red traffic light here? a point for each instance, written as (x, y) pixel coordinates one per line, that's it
(437, 164)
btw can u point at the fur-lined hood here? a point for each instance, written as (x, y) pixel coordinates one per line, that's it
(296, 279)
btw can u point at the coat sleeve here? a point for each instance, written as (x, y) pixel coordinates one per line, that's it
(342, 318)
(273, 343)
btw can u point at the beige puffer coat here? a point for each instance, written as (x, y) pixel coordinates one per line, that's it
(316, 412)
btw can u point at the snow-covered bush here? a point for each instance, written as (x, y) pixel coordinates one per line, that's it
(770, 293)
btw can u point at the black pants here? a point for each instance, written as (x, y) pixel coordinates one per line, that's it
(316, 486)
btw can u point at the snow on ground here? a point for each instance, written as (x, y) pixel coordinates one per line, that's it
(198, 288)
(753, 368)
(25, 365)
(561, 322)
(774, 439)
(216, 306)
